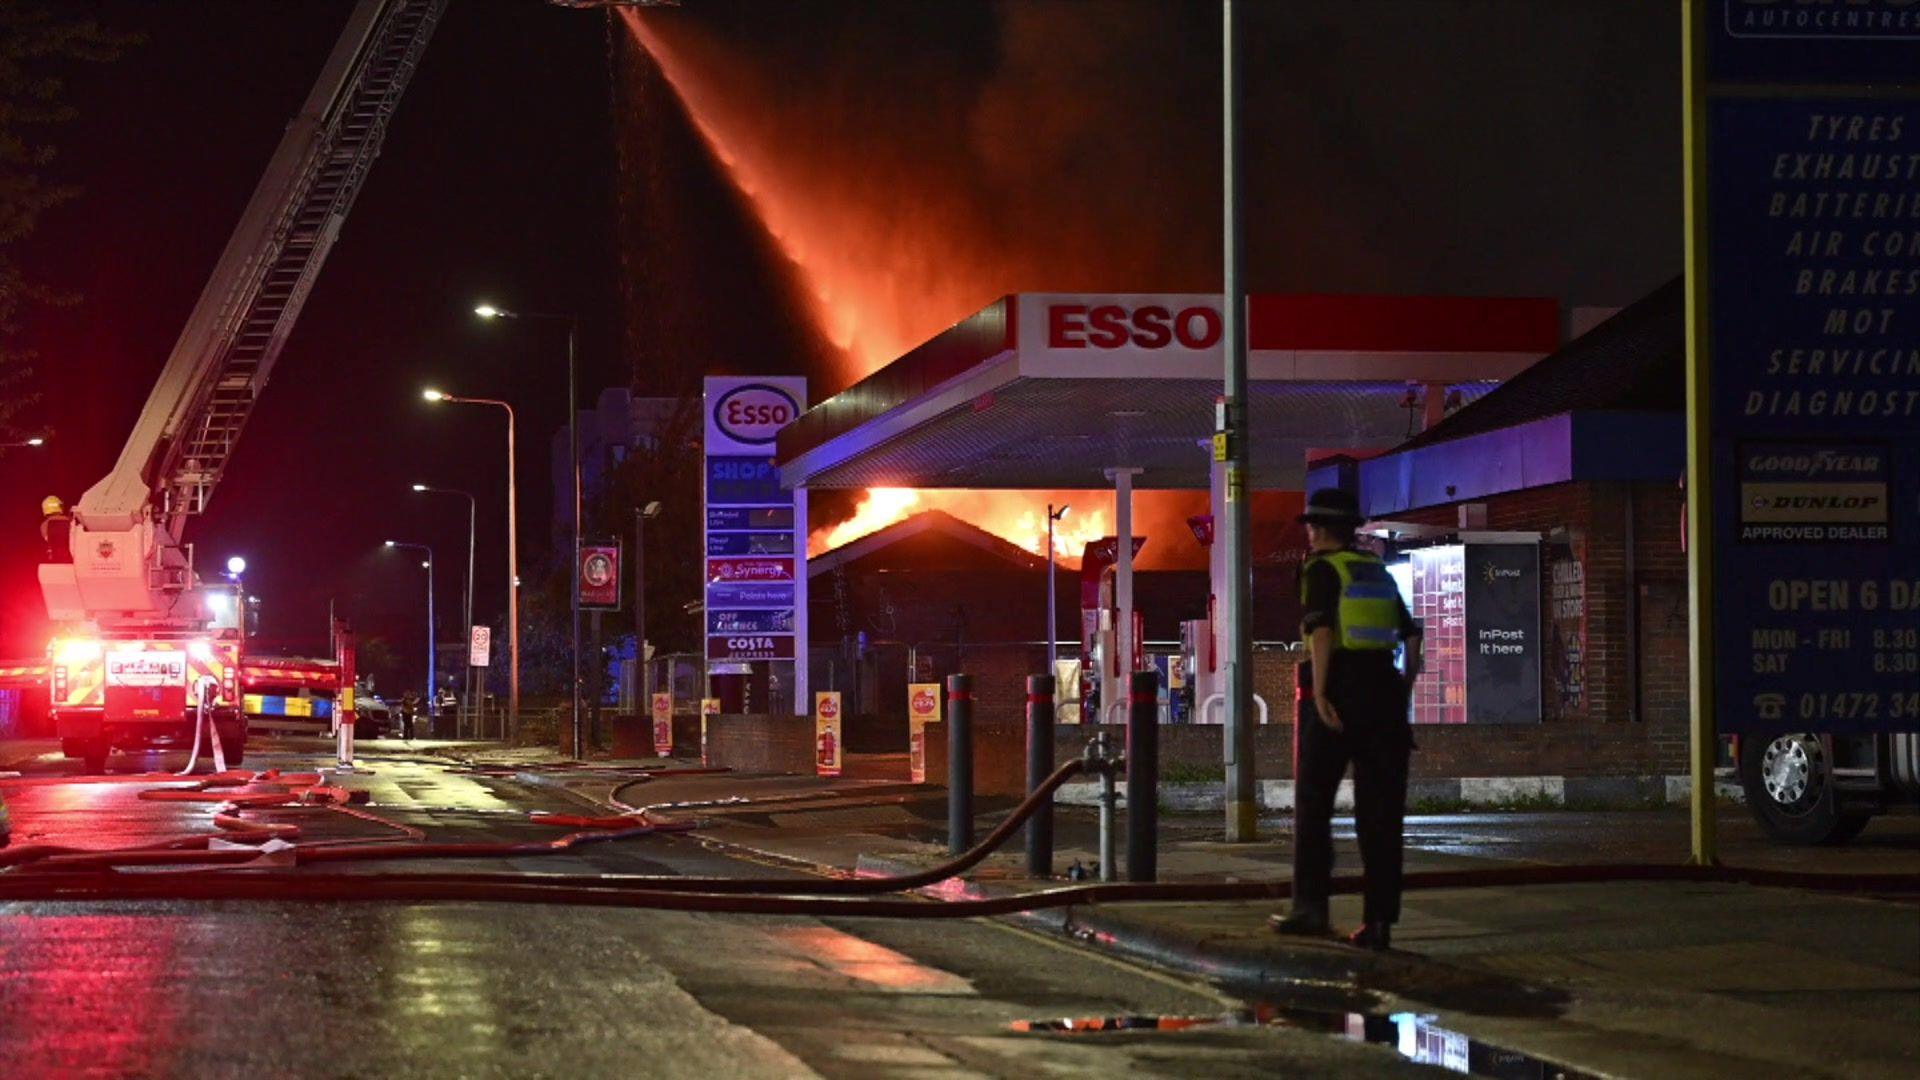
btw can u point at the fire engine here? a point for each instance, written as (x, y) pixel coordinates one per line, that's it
(147, 652)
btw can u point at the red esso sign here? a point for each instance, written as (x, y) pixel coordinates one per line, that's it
(923, 702)
(754, 413)
(1110, 326)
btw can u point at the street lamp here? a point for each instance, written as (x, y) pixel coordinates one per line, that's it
(641, 515)
(35, 441)
(489, 311)
(513, 559)
(466, 690)
(1053, 614)
(236, 573)
(432, 671)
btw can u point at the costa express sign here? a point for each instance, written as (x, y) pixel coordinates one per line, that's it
(1146, 326)
(754, 413)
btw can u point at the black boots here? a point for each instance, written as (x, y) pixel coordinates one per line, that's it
(1302, 923)
(1375, 937)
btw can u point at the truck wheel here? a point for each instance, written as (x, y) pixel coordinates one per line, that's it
(1789, 786)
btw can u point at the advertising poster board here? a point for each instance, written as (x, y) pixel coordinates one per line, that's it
(1502, 588)
(923, 708)
(1806, 190)
(827, 742)
(663, 723)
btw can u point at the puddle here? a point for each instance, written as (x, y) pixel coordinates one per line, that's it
(1416, 1036)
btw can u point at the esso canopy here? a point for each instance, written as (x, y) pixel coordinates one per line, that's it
(1050, 390)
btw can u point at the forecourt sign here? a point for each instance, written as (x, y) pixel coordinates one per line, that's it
(663, 723)
(755, 531)
(828, 736)
(1810, 363)
(923, 708)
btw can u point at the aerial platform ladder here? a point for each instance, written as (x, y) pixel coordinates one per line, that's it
(130, 567)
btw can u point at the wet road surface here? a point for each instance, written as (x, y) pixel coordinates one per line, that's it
(389, 989)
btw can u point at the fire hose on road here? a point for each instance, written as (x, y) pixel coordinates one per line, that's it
(91, 876)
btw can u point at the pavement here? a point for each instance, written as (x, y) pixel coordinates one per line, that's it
(1617, 979)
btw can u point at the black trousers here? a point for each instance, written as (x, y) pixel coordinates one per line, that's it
(1379, 742)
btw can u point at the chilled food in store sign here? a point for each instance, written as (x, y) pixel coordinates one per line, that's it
(754, 413)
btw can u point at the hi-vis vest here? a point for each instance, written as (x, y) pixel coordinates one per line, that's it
(1369, 613)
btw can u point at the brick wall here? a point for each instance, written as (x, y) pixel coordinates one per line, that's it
(755, 744)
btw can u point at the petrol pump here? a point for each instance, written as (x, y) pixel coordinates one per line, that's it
(1200, 643)
(1103, 674)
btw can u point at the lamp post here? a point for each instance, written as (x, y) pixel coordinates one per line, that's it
(432, 689)
(466, 691)
(1054, 514)
(488, 311)
(1232, 422)
(643, 688)
(513, 559)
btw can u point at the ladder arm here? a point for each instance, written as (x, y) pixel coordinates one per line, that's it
(181, 444)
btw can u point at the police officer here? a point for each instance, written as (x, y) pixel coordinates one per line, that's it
(1352, 618)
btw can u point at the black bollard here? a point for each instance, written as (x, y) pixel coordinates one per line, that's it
(959, 763)
(1039, 767)
(1143, 775)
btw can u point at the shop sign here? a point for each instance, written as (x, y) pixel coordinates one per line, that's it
(1811, 312)
(750, 622)
(750, 647)
(600, 576)
(738, 595)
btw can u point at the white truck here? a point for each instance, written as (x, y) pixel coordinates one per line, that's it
(146, 648)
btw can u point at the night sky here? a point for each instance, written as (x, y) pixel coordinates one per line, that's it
(955, 151)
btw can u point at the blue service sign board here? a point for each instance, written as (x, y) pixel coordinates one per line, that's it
(756, 531)
(1813, 338)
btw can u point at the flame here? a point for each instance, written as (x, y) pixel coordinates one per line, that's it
(1020, 518)
(876, 286)
(893, 251)
(879, 508)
